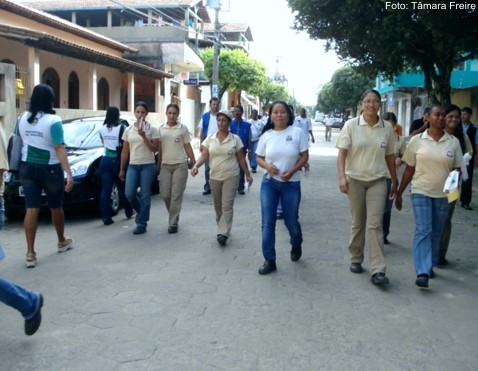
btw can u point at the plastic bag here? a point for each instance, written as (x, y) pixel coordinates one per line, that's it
(451, 186)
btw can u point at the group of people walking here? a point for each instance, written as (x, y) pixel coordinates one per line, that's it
(369, 153)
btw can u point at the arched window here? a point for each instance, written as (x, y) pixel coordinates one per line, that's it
(73, 91)
(103, 94)
(51, 77)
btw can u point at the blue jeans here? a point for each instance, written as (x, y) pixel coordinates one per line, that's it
(289, 194)
(109, 169)
(430, 216)
(26, 302)
(140, 176)
(253, 161)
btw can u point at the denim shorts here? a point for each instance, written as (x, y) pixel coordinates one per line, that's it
(35, 178)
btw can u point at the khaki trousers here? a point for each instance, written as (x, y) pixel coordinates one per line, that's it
(367, 203)
(172, 183)
(223, 194)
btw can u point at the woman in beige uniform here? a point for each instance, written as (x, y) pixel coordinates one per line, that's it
(174, 150)
(365, 160)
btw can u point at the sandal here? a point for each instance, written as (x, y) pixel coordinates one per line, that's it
(31, 260)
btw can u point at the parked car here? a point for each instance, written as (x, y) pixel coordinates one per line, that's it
(84, 149)
(338, 123)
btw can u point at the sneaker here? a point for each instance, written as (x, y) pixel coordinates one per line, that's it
(139, 230)
(31, 260)
(422, 280)
(65, 245)
(32, 324)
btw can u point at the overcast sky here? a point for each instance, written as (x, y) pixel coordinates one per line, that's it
(303, 61)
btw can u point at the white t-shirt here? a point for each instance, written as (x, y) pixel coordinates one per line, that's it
(304, 123)
(329, 121)
(282, 149)
(256, 129)
(212, 127)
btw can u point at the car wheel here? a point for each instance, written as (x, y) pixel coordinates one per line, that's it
(115, 199)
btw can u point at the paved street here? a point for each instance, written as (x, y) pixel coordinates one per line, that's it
(180, 302)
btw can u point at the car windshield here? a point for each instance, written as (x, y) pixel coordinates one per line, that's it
(82, 135)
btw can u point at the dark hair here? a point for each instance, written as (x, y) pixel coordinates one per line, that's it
(390, 116)
(290, 112)
(458, 133)
(467, 110)
(172, 105)
(213, 99)
(141, 104)
(373, 91)
(112, 117)
(240, 107)
(41, 101)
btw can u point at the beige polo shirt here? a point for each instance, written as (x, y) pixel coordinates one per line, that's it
(222, 156)
(367, 147)
(173, 140)
(139, 153)
(432, 161)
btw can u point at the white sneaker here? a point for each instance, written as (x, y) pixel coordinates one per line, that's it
(31, 261)
(65, 245)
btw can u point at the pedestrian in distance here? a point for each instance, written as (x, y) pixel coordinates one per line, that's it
(243, 130)
(430, 157)
(257, 125)
(43, 167)
(366, 158)
(400, 146)
(208, 126)
(173, 153)
(471, 132)
(111, 133)
(329, 122)
(282, 151)
(224, 150)
(305, 123)
(453, 127)
(140, 143)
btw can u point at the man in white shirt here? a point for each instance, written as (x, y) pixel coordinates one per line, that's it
(256, 130)
(304, 122)
(329, 121)
(208, 126)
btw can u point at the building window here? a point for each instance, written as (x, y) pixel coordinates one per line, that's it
(103, 94)
(73, 91)
(51, 77)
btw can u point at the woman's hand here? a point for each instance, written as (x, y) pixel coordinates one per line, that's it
(121, 175)
(272, 170)
(344, 185)
(398, 201)
(69, 183)
(286, 175)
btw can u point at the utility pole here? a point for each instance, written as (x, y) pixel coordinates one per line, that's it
(216, 5)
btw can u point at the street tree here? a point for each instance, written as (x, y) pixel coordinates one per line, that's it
(390, 38)
(237, 71)
(325, 99)
(272, 91)
(348, 85)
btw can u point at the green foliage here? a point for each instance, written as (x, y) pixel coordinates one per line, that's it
(237, 71)
(379, 39)
(272, 91)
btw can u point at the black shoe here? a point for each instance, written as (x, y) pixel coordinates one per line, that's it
(241, 192)
(139, 230)
(379, 278)
(269, 266)
(422, 280)
(173, 229)
(221, 239)
(280, 216)
(108, 222)
(432, 274)
(206, 192)
(295, 253)
(32, 324)
(467, 207)
(385, 241)
(442, 262)
(356, 268)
